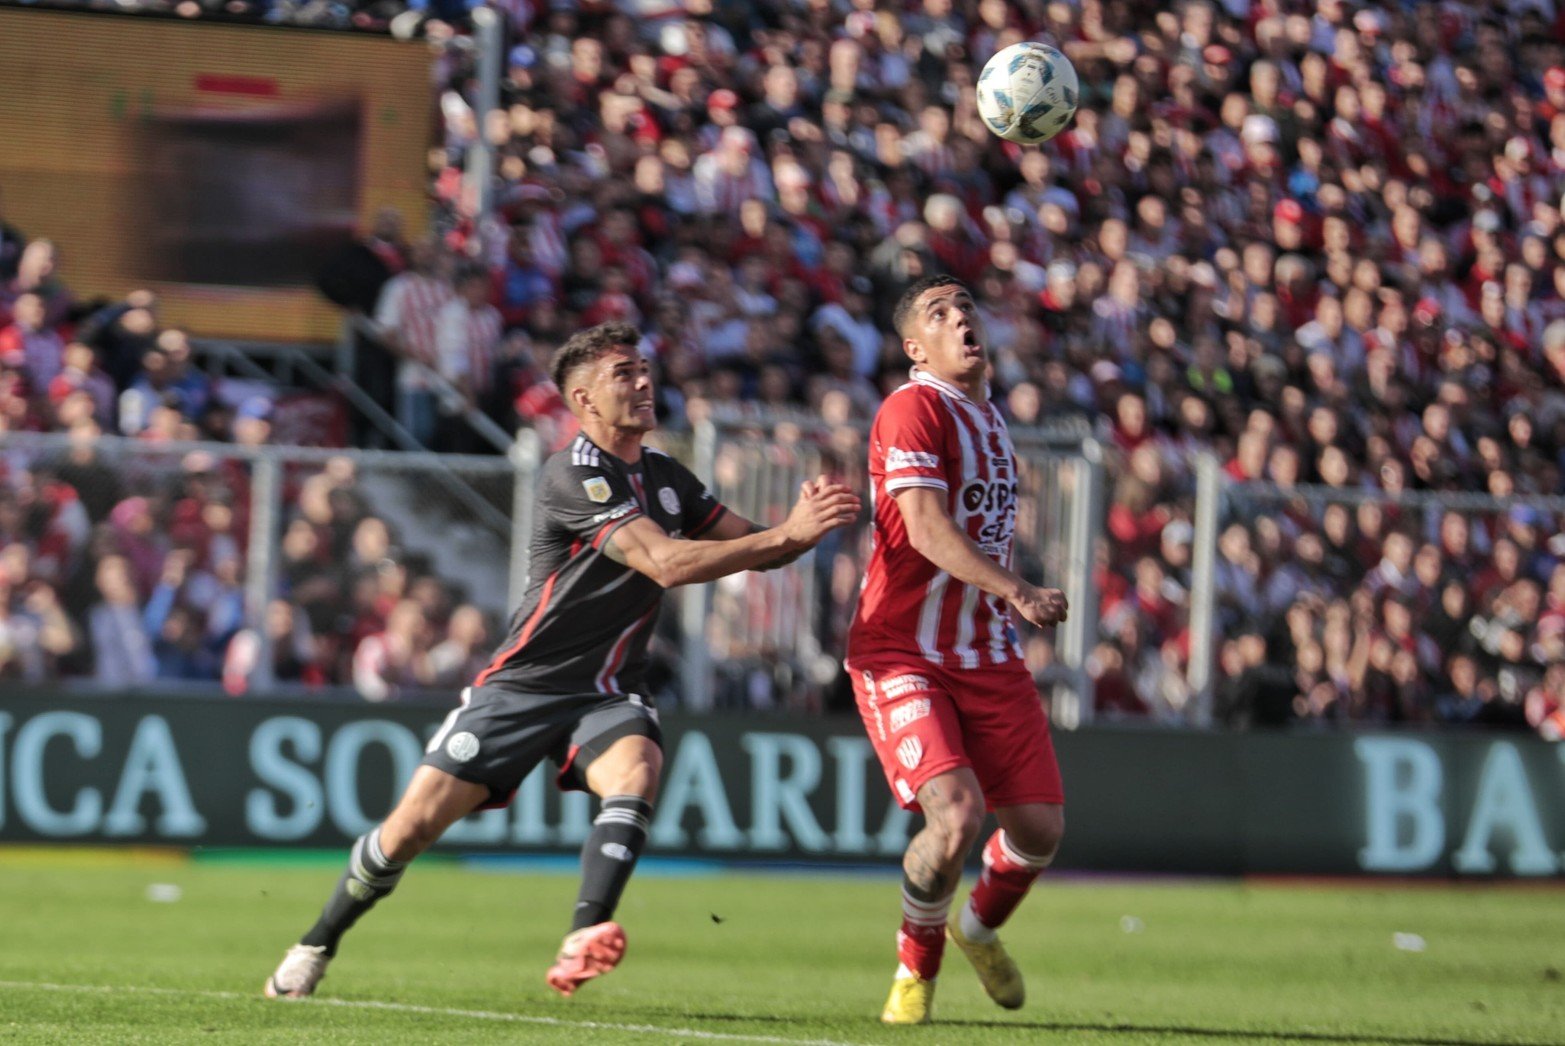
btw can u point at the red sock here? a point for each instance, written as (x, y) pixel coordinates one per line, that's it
(1008, 874)
(922, 940)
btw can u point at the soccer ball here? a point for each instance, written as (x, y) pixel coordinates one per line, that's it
(1027, 93)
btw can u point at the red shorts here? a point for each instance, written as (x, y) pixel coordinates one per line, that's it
(925, 720)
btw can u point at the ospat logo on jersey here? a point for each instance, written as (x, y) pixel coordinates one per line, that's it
(669, 500)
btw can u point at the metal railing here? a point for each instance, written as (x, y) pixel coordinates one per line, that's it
(769, 639)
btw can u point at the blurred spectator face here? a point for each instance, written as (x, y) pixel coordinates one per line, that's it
(1131, 413)
(28, 312)
(1398, 552)
(781, 87)
(1323, 426)
(1113, 238)
(1258, 264)
(114, 581)
(1283, 468)
(1334, 468)
(586, 59)
(371, 540)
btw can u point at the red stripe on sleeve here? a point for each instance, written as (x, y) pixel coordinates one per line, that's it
(717, 513)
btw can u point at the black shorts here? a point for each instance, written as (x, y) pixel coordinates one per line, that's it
(498, 735)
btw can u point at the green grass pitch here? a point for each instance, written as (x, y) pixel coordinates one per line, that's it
(458, 956)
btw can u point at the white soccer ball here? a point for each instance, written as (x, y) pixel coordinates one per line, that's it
(1027, 93)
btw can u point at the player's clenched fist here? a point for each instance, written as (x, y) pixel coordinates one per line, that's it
(1042, 606)
(822, 507)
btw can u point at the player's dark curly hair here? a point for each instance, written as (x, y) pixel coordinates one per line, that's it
(904, 308)
(588, 346)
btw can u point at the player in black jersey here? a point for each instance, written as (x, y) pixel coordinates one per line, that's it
(617, 524)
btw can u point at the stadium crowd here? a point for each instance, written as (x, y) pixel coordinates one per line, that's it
(1323, 239)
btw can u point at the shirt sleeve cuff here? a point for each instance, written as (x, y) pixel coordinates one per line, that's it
(903, 482)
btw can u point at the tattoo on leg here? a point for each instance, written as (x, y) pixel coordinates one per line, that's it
(923, 871)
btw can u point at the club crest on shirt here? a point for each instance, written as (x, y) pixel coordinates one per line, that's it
(597, 489)
(909, 751)
(462, 747)
(669, 500)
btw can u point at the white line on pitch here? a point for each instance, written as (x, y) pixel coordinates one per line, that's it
(435, 1011)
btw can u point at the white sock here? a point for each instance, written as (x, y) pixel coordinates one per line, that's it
(972, 929)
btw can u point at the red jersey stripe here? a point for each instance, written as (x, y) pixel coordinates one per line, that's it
(527, 631)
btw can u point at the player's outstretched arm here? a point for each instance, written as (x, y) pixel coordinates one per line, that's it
(642, 545)
(935, 536)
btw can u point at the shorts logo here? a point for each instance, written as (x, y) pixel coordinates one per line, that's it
(910, 711)
(617, 852)
(909, 751)
(896, 686)
(462, 747)
(669, 500)
(874, 705)
(898, 459)
(905, 790)
(597, 489)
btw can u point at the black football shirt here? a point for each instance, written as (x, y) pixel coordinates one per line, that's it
(584, 622)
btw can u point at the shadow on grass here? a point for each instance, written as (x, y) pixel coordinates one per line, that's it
(1127, 1030)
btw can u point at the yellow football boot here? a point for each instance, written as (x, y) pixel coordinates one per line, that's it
(910, 1002)
(998, 974)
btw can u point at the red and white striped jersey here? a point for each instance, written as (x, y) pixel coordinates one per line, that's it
(928, 433)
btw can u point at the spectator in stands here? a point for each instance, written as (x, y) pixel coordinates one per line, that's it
(463, 653)
(292, 649)
(121, 646)
(407, 319)
(30, 345)
(353, 279)
(389, 662)
(467, 338)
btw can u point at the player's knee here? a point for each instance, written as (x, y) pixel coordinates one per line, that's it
(635, 776)
(958, 823)
(406, 834)
(1040, 836)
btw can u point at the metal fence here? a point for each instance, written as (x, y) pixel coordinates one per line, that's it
(1352, 605)
(774, 639)
(260, 566)
(132, 562)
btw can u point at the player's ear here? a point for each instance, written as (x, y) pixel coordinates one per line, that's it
(581, 401)
(914, 350)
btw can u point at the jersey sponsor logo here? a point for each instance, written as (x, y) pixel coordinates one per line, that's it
(909, 712)
(617, 852)
(462, 747)
(669, 500)
(897, 458)
(896, 686)
(597, 489)
(616, 512)
(910, 750)
(989, 497)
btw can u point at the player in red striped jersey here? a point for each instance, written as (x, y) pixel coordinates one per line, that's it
(617, 524)
(950, 707)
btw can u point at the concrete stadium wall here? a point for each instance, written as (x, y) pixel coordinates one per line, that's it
(288, 772)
